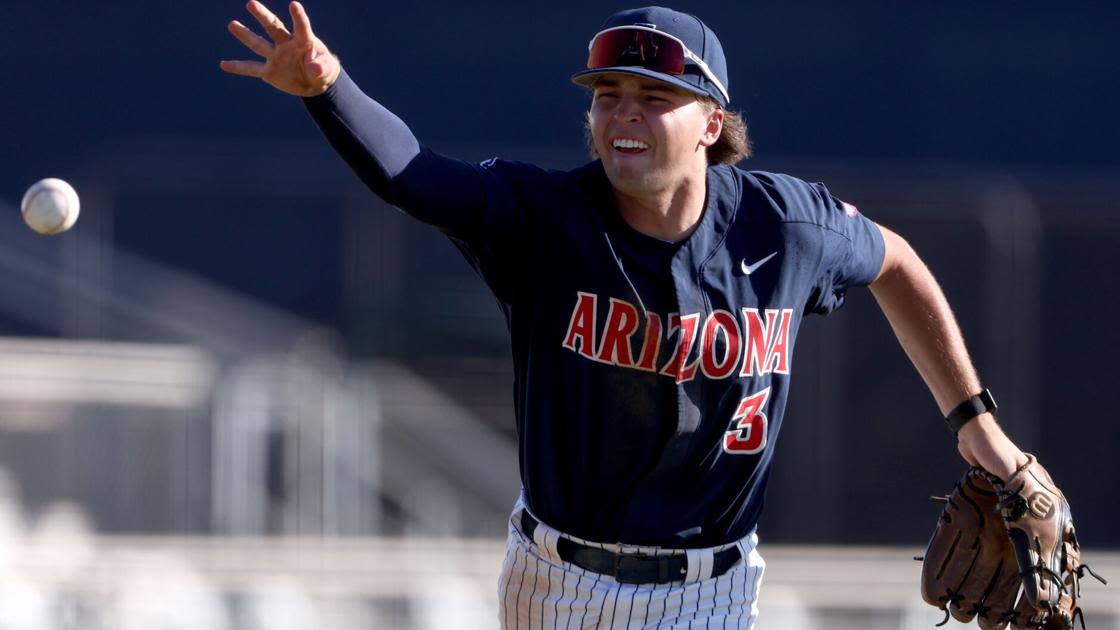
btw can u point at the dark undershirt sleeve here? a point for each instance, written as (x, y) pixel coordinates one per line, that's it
(481, 207)
(447, 193)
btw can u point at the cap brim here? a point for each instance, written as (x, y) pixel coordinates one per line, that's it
(588, 77)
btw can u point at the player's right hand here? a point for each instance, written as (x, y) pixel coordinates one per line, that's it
(295, 62)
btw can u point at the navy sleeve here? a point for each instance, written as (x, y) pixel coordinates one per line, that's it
(850, 247)
(476, 205)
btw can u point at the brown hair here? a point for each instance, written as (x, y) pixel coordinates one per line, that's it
(732, 146)
(734, 143)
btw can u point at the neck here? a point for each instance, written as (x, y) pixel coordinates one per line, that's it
(671, 214)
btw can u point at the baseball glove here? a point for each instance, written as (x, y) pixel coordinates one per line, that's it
(969, 569)
(994, 540)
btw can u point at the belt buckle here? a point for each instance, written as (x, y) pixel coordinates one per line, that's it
(626, 552)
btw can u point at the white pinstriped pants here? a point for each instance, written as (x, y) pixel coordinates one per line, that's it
(537, 590)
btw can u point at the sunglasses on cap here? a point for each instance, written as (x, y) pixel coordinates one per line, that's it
(647, 48)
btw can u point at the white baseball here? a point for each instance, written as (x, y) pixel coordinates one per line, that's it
(50, 206)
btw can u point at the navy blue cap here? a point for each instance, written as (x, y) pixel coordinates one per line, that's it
(695, 35)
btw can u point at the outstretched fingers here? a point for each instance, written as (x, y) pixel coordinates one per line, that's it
(243, 68)
(301, 24)
(252, 41)
(297, 64)
(267, 19)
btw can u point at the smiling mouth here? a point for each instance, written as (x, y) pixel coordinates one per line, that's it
(628, 145)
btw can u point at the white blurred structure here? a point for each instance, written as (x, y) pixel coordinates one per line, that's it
(56, 574)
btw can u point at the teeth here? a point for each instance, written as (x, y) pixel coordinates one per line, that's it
(627, 143)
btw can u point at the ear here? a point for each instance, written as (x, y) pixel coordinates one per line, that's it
(713, 128)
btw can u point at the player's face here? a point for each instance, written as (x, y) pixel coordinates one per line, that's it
(650, 135)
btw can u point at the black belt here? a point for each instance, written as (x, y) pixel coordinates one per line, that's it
(629, 568)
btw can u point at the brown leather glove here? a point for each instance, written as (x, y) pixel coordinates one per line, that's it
(993, 538)
(969, 569)
(1041, 531)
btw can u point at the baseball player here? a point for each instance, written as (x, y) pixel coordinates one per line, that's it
(653, 298)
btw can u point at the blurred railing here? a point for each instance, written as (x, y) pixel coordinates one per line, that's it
(298, 443)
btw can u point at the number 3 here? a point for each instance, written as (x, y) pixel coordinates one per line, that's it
(749, 435)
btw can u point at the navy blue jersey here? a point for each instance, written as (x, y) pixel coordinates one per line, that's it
(650, 377)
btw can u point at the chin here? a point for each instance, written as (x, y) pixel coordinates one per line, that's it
(633, 181)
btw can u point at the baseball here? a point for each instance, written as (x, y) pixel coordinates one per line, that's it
(50, 206)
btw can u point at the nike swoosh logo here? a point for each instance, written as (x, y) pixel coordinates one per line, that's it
(749, 269)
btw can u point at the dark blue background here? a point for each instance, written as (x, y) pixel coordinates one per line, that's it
(997, 82)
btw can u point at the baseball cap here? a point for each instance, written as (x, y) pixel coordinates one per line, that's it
(661, 44)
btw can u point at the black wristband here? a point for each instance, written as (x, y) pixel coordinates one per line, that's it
(969, 409)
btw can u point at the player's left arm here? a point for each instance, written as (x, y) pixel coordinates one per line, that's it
(922, 320)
